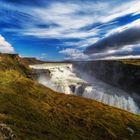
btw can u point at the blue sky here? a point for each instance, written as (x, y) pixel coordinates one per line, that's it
(70, 29)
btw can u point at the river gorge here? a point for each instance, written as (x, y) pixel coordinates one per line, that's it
(65, 78)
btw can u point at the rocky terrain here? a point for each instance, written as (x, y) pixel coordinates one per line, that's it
(32, 111)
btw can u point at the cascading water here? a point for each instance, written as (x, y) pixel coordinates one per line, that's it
(63, 79)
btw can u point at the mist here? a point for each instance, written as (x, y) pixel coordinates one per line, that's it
(72, 79)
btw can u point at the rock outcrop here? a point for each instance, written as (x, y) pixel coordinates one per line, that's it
(6, 133)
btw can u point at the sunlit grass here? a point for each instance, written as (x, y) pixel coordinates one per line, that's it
(131, 61)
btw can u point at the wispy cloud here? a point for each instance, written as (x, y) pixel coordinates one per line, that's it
(118, 38)
(64, 20)
(81, 44)
(74, 54)
(99, 23)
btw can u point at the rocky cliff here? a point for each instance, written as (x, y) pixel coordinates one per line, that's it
(124, 74)
(62, 78)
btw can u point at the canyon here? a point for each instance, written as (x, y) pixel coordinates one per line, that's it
(78, 79)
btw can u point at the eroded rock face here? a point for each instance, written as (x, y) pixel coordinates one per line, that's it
(6, 133)
(116, 73)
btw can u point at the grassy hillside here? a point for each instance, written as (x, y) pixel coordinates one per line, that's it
(35, 112)
(30, 61)
(131, 61)
(14, 62)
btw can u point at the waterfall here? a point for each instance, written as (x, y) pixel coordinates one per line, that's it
(64, 79)
(126, 103)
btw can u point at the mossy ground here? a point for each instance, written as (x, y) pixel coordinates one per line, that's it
(35, 112)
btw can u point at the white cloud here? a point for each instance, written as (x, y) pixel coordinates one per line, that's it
(60, 33)
(70, 17)
(5, 47)
(132, 7)
(71, 53)
(82, 44)
(135, 23)
(66, 19)
(126, 51)
(122, 57)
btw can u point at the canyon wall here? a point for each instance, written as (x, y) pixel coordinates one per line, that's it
(116, 73)
(64, 78)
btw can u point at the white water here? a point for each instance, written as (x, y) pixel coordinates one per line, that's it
(63, 79)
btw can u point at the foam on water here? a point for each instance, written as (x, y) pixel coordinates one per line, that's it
(64, 79)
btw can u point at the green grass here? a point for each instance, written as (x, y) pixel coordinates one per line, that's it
(35, 112)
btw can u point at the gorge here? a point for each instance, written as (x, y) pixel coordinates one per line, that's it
(75, 78)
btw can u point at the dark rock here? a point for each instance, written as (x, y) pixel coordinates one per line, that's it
(116, 73)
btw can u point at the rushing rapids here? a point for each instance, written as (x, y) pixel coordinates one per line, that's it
(63, 78)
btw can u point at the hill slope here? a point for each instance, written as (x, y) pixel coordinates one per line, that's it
(35, 112)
